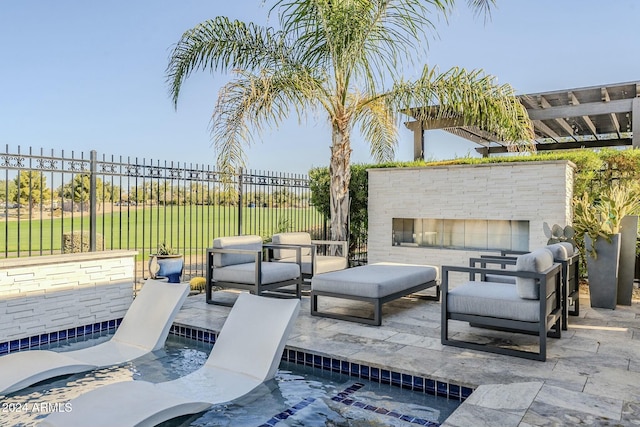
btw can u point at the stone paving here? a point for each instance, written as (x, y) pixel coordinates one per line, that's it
(591, 376)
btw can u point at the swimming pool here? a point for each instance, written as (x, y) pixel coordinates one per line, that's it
(299, 396)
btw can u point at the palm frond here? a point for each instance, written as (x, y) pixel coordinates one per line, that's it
(221, 44)
(253, 101)
(378, 126)
(471, 96)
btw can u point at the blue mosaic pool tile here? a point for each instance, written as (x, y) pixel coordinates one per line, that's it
(53, 337)
(44, 339)
(97, 327)
(35, 341)
(300, 357)
(442, 389)
(104, 326)
(375, 375)
(454, 391)
(364, 372)
(418, 383)
(308, 359)
(335, 365)
(407, 381)
(80, 331)
(465, 392)
(326, 363)
(14, 345)
(344, 367)
(112, 324)
(4, 348)
(394, 414)
(317, 361)
(24, 343)
(396, 379)
(62, 335)
(431, 386)
(355, 370)
(385, 376)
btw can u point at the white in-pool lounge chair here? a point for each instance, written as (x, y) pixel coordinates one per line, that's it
(247, 353)
(144, 328)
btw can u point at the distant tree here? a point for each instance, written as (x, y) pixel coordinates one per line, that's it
(8, 190)
(31, 188)
(79, 190)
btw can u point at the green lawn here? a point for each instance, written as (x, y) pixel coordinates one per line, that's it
(185, 228)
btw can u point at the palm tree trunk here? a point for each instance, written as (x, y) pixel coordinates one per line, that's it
(340, 173)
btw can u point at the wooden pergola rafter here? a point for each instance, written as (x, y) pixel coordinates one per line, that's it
(591, 117)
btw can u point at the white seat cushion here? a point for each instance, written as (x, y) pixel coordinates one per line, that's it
(272, 272)
(536, 261)
(324, 264)
(374, 280)
(294, 238)
(252, 243)
(490, 299)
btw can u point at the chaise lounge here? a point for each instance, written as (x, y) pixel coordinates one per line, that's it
(532, 306)
(144, 328)
(247, 353)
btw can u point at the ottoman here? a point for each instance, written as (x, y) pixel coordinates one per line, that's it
(374, 283)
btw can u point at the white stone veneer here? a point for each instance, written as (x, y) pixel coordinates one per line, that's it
(537, 192)
(46, 294)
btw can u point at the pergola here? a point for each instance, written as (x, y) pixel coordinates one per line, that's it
(590, 117)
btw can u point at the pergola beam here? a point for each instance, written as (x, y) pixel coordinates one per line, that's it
(558, 119)
(588, 109)
(587, 121)
(485, 151)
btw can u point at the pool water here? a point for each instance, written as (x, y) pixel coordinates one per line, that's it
(299, 396)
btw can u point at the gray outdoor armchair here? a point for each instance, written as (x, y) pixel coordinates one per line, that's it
(237, 262)
(531, 306)
(564, 254)
(312, 262)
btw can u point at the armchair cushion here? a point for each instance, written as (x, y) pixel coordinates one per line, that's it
(252, 243)
(272, 272)
(294, 238)
(536, 262)
(324, 263)
(561, 251)
(492, 299)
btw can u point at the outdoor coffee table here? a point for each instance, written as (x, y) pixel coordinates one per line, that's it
(374, 283)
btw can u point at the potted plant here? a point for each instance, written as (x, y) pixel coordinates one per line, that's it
(166, 262)
(600, 224)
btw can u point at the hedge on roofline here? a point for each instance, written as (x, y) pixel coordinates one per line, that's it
(595, 170)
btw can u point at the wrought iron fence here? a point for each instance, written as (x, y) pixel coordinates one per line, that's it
(77, 202)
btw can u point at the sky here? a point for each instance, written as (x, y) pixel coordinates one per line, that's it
(81, 75)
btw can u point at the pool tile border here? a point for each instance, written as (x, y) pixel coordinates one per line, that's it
(36, 341)
(415, 383)
(371, 373)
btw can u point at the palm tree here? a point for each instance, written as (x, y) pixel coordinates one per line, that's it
(335, 56)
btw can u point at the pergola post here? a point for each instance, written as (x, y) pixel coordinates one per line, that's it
(635, 122)
(418, 139)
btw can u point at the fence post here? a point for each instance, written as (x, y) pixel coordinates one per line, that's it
(240, 202)
(93, 211)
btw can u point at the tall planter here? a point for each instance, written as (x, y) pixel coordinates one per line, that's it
(628, 237)
(602, 271)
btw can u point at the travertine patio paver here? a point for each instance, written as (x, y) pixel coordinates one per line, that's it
(591, 376)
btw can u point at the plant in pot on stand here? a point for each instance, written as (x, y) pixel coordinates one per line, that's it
(166, 263)
(600, 223)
